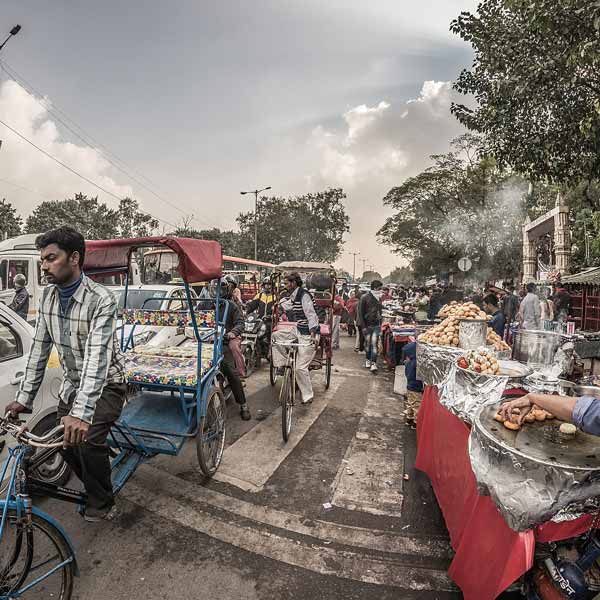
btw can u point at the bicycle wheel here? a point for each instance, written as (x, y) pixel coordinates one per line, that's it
(327, 372)
(286, 397)
(28, 552)
(210, 441)
(272, 370)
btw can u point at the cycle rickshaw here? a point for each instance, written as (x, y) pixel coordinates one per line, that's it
(319, 279)
(178, 398)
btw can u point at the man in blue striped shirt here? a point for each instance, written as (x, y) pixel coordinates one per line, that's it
(79, 317)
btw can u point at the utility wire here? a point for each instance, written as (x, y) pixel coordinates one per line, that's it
(89, 140)
(68, 168)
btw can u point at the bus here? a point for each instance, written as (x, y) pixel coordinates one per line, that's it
(160, 266)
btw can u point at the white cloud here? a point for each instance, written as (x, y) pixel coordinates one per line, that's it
(23, 165)
(376, 148)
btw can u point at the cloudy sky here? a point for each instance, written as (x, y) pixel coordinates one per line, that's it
(204, 99)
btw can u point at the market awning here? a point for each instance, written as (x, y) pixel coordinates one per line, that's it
(199, 260)
(590, 276)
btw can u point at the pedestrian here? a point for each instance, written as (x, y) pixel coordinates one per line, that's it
(547, 305)
(338, 309)
(370, 313)
(20, 301)
(386, 296)
(422, 305)
(510, 305)
(562, 304)
(490, 306)
(435, 304)
(351, 309)
(345, 292)
(414, 386)
(530, 311)
(78, 317)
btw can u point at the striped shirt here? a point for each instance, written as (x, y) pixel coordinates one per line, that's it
(87, 347)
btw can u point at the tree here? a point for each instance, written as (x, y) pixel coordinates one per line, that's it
(536, 81)
(10, 222)
(229, 239)
(460, 206)
(131, 222)
(401, 275)
(93, 219)
(309, 227)
(369, 276)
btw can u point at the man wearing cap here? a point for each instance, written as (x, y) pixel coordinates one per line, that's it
(20, 302)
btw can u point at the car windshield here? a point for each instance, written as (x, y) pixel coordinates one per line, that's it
(140, 299)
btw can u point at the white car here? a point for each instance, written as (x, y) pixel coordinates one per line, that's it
(16, 338)
(153, 297)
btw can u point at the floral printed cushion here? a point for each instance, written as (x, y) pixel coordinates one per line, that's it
(168, 318)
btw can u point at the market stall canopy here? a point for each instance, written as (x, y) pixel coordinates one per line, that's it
(590, 276)
(298, 265)
(199, 260)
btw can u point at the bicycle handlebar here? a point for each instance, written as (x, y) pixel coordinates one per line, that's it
(52, 439)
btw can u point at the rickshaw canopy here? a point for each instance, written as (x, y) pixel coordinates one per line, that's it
(199, 260)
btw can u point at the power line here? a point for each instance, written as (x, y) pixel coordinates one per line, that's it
(89, 140)
(71, 170)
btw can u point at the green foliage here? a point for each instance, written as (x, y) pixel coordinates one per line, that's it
(229, 240)
(402, 275)
(536, 82)
(369, 276)
(10, 222)
(309, 227)
(95, 220)
(460, 206)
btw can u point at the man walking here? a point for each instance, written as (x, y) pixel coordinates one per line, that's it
(530, 311)
(338, 309)
(370, 314)
(20, 301)
(79, 317)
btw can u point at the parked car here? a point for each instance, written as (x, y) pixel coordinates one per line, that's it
(16, 338)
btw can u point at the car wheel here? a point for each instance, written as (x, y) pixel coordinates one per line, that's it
(55, 470)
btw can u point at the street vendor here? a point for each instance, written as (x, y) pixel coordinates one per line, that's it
(583, 411)
(490, 305)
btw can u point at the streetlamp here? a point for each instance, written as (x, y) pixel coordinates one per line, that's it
(256, 193)
(13, 31)
(354, 255)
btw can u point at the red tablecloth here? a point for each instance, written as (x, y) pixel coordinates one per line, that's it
(489, 555)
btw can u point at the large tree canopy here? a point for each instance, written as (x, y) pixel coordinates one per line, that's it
(10, 221)
(536, 81)
(309, 227)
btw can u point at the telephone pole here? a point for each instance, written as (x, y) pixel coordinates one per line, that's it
(364, 262)
(354, 255)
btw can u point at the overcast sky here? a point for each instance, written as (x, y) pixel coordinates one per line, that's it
(208, 98)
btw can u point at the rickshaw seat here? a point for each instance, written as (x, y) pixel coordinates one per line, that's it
(168, 318)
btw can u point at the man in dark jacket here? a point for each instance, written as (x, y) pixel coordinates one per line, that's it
(490, 305)
(370, 314)
(20, 302)
(234, 327)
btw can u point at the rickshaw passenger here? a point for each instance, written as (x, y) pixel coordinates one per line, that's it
(300, 305)
(234, 327)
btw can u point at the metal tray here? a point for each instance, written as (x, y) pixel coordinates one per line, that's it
(514, 369)
(541, 443)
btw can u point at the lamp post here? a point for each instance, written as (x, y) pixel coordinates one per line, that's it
(12, 33)
(364, 262)
(354, 255)
(256, 193)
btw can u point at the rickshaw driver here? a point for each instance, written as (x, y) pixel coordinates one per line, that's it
(78, 316)
(233, 328)
(300, 305)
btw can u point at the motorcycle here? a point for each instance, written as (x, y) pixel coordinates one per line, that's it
(255, 341)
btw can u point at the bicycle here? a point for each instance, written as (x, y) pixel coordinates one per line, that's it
(36, 555)
(287, 393)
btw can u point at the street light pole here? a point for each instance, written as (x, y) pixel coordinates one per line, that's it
(256, 193)
(13, 32)
(354, 255)
(364, 262)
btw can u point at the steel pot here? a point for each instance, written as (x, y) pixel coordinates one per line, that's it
(535, 348)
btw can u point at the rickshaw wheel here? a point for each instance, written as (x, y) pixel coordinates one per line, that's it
(272, 371)
(210, 441)
(327, 372)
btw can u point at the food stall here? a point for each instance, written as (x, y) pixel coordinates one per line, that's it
(398, 328)
(504, 490)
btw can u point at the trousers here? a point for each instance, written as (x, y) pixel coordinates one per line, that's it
(413, 403)
(304, 357)
(90, 460)
(371, 340)
(335, 334)
(230, 370)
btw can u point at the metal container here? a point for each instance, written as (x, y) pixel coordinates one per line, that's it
(472, 333)
(535, 348)
(586, 390)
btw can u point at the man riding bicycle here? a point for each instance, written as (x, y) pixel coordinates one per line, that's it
(300, 307)
(79, 317)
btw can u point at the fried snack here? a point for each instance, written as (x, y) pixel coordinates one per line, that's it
(512, 426)
(493, 339)
(530, 417)
(480, 361)
(465, 310)
(443, 334)
(498, 417)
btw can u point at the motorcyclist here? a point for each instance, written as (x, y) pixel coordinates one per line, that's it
(263, 301)
(234, 326)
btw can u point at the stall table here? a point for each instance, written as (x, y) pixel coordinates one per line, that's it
(489, 555)
(393, 339)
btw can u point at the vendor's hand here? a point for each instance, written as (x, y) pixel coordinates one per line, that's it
(524, 404)
(75, 431)
(13, 409)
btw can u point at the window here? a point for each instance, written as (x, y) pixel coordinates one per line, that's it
(10, 343)
(10, 269)
(147, 299)
(178, 301)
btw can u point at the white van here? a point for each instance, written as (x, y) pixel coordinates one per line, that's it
(19, 255)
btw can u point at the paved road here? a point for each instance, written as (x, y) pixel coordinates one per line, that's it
(260, 529)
